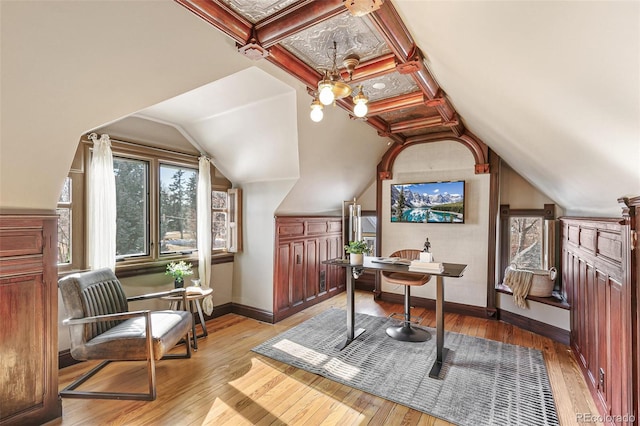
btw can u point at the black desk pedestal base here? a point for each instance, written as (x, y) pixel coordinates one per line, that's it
(437, 366)
(356, 333)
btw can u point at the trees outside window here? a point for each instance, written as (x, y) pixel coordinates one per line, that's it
(527, 238)
(178, 209)
(132, 200)
(64, 223)
(219, 220)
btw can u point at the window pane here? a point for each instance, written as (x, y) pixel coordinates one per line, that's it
(65, 195)
(526, 242)
(218, 230)
(64, 236)
(178, 209)
(218, 200)
(132, 235)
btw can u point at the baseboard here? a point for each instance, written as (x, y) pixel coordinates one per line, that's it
(452, 307)
(254, 313)
(554, 333)
(65, 359)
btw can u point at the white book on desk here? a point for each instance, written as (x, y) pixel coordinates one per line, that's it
(417, 266)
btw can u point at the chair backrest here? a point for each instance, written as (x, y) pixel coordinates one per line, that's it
(92, 293)
(411, 254)
(403, 278)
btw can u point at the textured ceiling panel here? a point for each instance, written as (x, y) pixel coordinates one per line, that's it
(394, 84)
(256, 10)
(314, 46)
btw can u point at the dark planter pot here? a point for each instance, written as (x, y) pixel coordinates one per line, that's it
(178, 282)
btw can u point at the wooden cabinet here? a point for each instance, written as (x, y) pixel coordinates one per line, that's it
(601, 294)
(301, 280)
(29, 320)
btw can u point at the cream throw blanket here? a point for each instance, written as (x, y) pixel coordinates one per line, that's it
(519, 282)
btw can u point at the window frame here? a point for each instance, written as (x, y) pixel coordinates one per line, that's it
(79, 174)
(506, 213)
(76, 175)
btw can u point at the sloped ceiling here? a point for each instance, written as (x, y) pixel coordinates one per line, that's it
(552, 87)
(242, 120)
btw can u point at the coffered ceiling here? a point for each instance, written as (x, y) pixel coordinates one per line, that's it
(406, 103)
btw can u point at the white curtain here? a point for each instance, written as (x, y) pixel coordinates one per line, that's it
(102, 206)
(204, 222)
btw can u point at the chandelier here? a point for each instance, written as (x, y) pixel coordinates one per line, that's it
(332, 87)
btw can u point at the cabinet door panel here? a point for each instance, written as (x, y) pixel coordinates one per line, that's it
(616, 389)
(311, 286)
(283, 300)
(297, 277)
(22, 334)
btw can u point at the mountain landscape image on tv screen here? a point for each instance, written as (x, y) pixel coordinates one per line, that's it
(428, 202)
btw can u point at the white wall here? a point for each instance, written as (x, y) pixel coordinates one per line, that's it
(453, 243)
(253, 273)
(70, 66)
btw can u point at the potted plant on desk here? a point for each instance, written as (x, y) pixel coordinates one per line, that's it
(356, 250)
(178, 270)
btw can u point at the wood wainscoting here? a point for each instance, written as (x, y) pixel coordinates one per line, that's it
(602, 292)
(29, 325)
(300, 279)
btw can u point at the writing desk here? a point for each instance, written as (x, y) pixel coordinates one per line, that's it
(452, 270)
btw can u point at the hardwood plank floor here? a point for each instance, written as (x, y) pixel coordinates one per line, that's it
(224, 383)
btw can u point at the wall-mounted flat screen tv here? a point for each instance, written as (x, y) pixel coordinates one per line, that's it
(428, 202)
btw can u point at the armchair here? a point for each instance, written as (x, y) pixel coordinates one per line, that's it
(102, 328)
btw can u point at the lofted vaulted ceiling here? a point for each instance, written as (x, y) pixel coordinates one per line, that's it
(406, 103)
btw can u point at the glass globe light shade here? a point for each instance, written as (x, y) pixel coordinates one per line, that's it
(361, 109)
(316, 113)
(326, 94)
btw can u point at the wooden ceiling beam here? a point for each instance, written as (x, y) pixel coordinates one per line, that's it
(409, 100)
(416, 124)
(400, 41)
(373, 68)
(221, 17)
(295, 19)
(290, 63)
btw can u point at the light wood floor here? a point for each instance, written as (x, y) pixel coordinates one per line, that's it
(224, 383)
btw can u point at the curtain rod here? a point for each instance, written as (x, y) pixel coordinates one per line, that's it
(140, 145)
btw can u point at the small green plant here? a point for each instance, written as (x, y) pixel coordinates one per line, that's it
(357, 247)
(179, 269)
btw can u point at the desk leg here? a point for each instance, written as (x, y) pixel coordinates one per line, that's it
(352, 333)
(441, 351)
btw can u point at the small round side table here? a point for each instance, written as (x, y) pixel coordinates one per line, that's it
(193, 299)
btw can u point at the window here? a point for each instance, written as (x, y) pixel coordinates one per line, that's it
(64, 224)
(156, 212)
(178, 209)
(218, 220)
(132, 207)
(528, 238)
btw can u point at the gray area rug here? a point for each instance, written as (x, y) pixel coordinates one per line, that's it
(483, 382)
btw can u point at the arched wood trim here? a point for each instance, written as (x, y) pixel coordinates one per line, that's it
(478, 148)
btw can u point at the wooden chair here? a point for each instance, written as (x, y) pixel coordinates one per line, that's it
(102, 328)
(405, 332)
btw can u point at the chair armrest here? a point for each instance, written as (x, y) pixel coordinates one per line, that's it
(174, 292)
(108, 317)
